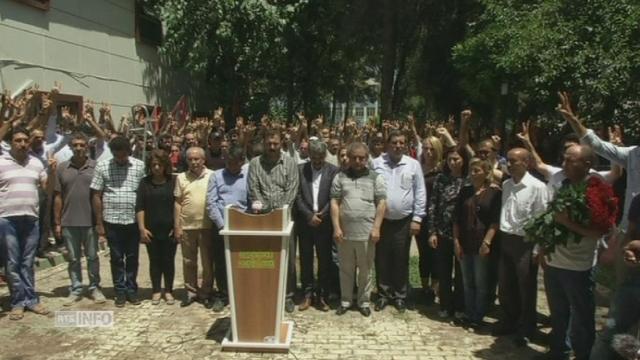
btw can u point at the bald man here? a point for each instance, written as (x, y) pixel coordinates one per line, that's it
(193, 228)
(523, 197)
(568, 275)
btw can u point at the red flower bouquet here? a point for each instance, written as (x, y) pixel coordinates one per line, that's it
(589, 203)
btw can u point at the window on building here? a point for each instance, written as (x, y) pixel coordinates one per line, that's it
(40, 4)
(359, 112)
(148, 26)
(75, 103)
(371, 110)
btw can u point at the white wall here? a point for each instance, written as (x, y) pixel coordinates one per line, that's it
(89, 45)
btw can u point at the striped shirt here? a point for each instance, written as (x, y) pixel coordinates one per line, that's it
(19, 185)
(119, 184)
(274, 185)
(359, 195)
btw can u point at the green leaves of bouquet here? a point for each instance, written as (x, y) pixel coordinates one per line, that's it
(546, 232)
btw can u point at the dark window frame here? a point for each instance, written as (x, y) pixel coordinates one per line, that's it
(40, 4)
(153, 25)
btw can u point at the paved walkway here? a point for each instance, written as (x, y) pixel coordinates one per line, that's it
(171, 332)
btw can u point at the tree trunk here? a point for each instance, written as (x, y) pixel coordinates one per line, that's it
(388, 57)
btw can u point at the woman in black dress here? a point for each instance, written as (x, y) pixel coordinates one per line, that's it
(476, 222)
(154, 211)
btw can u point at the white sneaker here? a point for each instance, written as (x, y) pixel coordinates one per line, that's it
(98, 296)
(443, 314)
(459, 315)
(72, 299)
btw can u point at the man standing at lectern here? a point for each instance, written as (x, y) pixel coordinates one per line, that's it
(273, 183)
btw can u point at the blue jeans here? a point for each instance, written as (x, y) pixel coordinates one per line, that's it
(625, 312)
(21, 240)
(572, 306)
(475, 276)
(85, 237)
(124, 247)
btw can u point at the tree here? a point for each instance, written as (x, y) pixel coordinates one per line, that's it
(539, 47)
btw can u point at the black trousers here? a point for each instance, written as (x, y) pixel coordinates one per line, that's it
(320, 239)
(450, 287)
(427, 254)
(162, 254)
(518, 284)
(219, 264)
(124, 247)
(392, 258)
(292, 277)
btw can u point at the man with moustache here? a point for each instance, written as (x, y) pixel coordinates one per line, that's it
(21, 175)
(115, 184)
(273, 183)
(405, 208)
(314, 225)
(73, 218)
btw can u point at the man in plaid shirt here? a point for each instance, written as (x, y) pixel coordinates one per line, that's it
(114, 186)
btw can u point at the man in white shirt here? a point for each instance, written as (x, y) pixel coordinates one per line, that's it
(406, 203)
(523, 197)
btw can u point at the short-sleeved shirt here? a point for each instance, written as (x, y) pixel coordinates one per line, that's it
(521, 202)
(156, 200)
(19, 184)
(119, 184)
(74, 184)
(574, 256)
(191, 193)
(359, 195)
(474, 214)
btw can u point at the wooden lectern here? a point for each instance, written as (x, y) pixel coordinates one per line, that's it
(256, 251)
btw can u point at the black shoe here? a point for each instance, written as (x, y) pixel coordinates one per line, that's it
(188, 300)
(430, 297)
(400, 305)
(381, 303)
(501, 329)
(133, 298)
(341, 310)
(120, 300)
(217, 305)
(365, 311)
(520, 341)
(551, 356)
(289, 306)
(207, 303)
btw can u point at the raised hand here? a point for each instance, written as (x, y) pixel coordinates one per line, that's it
(57, 87)
(442, 131)
(465, 115)
(217, 113)
(47, 102)
(615, 135)
(524, 134)
(496, 140)
(65, 112)
(564, 108)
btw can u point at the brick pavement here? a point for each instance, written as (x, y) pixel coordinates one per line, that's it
(170, 332)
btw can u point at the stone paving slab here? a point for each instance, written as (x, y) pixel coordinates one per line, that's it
(171, 332)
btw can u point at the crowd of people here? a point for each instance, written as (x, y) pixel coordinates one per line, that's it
(359, 195)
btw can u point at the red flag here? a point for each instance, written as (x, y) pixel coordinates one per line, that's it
(156, 115)
(181, 110)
